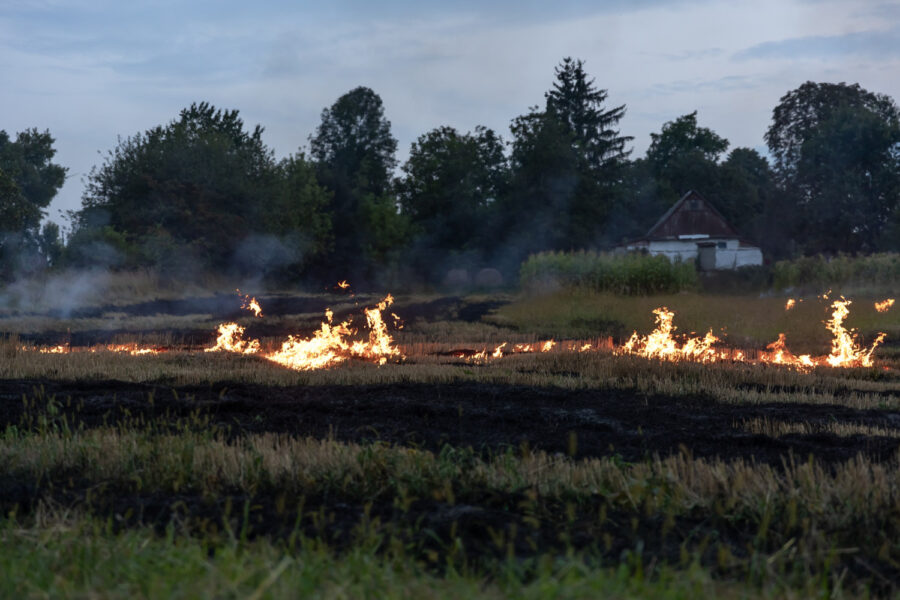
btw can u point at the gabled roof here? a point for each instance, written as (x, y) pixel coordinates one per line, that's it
(691, 215)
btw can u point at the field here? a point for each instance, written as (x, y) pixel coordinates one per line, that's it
(443, 472)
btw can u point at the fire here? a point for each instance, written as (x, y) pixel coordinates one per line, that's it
(790, 304)
(327, 347)
(55, 350)
(248, 303)
(884, 305)
(131, 348)
(661, 344)
(381, 345)
(333, 344)
(231, 340)
(780, 355)
(343, 284)
(845, 352)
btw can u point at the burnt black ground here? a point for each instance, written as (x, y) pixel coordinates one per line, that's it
(227, 308)
(485, 417)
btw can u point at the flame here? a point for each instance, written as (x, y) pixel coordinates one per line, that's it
(780, 355)
(547, 346)
(327, 347)
(332, 344)
(54, 350)
(884, 305)
(660, 343)
(845, 352)
(248, 303)
(131, 348)
(790, 304)
(230, 340)
(343, 284)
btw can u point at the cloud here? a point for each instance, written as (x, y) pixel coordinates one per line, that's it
(862, 44)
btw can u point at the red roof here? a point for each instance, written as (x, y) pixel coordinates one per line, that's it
(692, 215)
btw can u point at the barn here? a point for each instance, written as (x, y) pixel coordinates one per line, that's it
(692, 229)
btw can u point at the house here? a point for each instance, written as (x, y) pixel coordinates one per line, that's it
(694, 230)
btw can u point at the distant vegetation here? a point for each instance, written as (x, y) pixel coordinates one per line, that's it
(203, 193)
(880, 270)
(629, 274)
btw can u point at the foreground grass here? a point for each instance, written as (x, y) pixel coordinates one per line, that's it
(72, 556)
(275, 516)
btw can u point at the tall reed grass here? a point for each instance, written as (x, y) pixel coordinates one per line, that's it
(875, 271)
(630, 274)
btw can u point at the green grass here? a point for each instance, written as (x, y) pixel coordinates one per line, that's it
(742, 320)
(630, 274)
(873, 273)
(797, 522)
(71, 556)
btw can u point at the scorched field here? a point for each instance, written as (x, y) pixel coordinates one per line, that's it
(364, 445)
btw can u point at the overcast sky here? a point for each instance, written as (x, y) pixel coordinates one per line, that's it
(92, 70)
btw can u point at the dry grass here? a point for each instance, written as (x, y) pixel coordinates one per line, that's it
(778, 428)
(601, 369)
(745, 321)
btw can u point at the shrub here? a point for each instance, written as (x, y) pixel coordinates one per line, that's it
(874, 270)
(633, 274)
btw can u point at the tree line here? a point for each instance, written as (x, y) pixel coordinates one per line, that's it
(203, 192)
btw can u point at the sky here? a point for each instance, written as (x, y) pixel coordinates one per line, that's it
(92, 71)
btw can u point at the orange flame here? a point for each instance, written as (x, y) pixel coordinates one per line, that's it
(230, 340)
(248, 303)
(331, 344)
(845, 352)
(661, 344)
(790, 304)
(343, 284)
(884, 305)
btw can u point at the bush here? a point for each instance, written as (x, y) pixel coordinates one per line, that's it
(874, 270)
(633, 274)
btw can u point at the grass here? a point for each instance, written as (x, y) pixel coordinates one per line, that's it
(744, 320)
(72, 556)
(184, 509)
(802, 524)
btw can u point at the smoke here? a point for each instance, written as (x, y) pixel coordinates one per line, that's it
(60, 294)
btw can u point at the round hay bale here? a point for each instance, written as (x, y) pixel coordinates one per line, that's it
(457, 278)
(489, 278)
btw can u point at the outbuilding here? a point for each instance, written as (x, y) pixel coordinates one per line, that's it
(692, 229)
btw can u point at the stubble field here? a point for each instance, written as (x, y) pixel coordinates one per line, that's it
(563, 473)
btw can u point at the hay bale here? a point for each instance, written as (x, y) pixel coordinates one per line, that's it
(457, 278)
(489, 278)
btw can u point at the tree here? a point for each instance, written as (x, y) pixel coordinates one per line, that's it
(577, 104)
(355, 158)
(28, 182)
(299, 210)
(567, 162)
(202, 192)
(450, 187)
(684, 156)
(750, 200)
(837, 157)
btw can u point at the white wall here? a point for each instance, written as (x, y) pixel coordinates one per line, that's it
(731, 257)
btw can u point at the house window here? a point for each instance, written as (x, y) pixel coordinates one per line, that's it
(720, 245)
